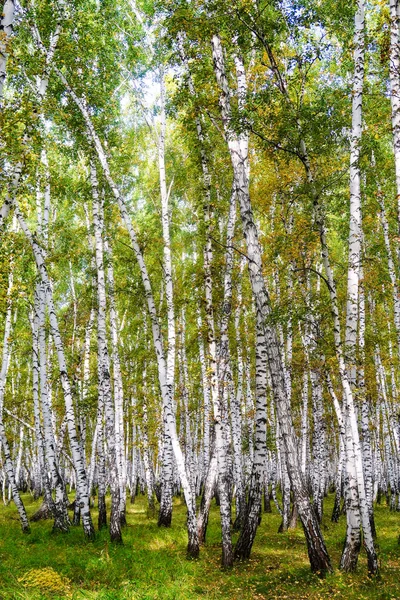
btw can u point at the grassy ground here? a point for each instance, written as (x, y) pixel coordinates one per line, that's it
(152, 565)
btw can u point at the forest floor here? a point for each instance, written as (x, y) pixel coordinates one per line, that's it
(152, 565)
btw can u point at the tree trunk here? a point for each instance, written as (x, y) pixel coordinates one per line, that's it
(238, 147)
(104, 377)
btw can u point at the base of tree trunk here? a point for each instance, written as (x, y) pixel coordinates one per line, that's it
(267, 502)
(115, 536)
(245, 542)
(164, 518)
(193, 550)
(76, 519)
(61, 525)
(102, 519)
(88, 527)
(336, 512)
(372, 562)
(44, 512)
(293, 518)
(349, 559)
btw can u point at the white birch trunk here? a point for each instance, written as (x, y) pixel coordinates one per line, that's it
(193, 545)
(104, 361)
(55, 332)
(253, 505)
(355, 468)
(394, 75)
(165, 514)
(6, 24)
(8, 463)
(238, 149)
(118, 388)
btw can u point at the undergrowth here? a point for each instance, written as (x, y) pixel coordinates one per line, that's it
(151, 564)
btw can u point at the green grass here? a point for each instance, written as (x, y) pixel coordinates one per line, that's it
(152, 565)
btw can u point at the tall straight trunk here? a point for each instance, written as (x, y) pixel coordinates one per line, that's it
(104, 376)
(168, 412)
(61, 519)
(76, 450)
(6, 25)
(18, 467)
(147, 461)
(252, 516)
(206, 402)
(184, 383)
(238, 148)
(319, 443)
(59, 506)
(83, 395)
(118, 389)
(394, 76)
(225, 380)
(47, 508)
(304, 423)
(219, 409)
(8, 463)
(353, 445)
(101, 465)
(134, 476)
(165, 513)
(365, 406)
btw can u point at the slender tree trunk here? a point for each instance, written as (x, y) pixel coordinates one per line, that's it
(253, 506)
(394, 74)
(118, 389)
(354, 451)
(55, 332)
(6, 25)
(208, 493)
(193, 544)
(8, 463)
(104, 362)
(318, 555)
(165, 513)
(219, 408)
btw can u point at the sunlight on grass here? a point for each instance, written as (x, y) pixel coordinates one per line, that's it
(152, 563)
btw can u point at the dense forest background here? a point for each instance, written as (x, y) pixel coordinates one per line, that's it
(199, 267)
